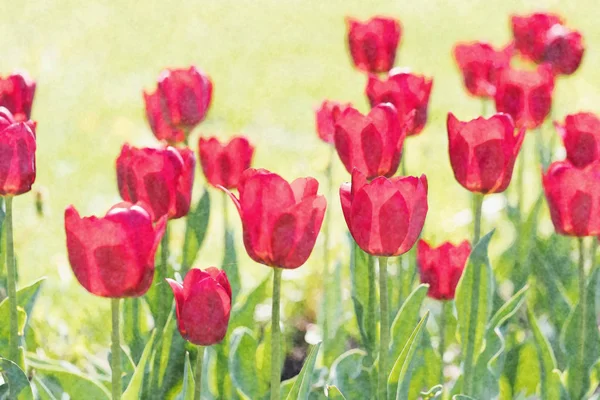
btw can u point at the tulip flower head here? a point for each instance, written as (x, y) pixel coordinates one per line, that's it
(372, 143)
(525, 95)
(179, 103)
(483, 152)
(530, 33)
(573, 196)
(385, 216)
(481, 64)
(281, 220)
(373, 43)
(564, 49)
(581, 137)
(441, 267)
(326, 117)
(16, 94)
(203, 305)
(17, 154)
(162, 178)
(223, 164)
(408, 92)
(113, 256)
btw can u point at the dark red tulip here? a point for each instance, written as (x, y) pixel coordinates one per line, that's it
(581, 136)
(373, 43)
(179, 103)
(441, 267)
(483, 152)
(326, 117)
(223, 164)
(525, 95)
(203, 305)
(530, 33)
(17, 154)
(564, 49)
(481, 64)
(113, 256)
(386, 216)
(16, 94)
(573, 196)
(372, 143)
(160, 178)
(281, 221)
(407, 92)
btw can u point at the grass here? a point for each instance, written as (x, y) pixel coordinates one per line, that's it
(272, 62)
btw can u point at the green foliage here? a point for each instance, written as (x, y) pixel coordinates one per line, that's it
(350, 376)
(408, 314)
(301, 388)
(242, 365)
(195, 231)
(16, 384)
(187, 390)
(230, 264)
(135, 388)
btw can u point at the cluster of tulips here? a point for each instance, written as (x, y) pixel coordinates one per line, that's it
(114, 256)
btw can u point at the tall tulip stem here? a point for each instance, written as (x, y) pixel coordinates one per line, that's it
(582, 297)
(445, 305)
(225, 219)
(325, 230)
(198, 373)
(115, 360)
(163, 289)
(11, 269)
(276, 336)
(372, 304)
(477, 204)
(384, 330)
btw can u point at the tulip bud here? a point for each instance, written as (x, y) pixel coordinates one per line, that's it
(373, 43)
(223, 164)
(17, 152)
(16, 94)
(441, 267)
(581, 137)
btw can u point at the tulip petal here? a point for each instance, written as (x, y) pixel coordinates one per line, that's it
(179, 301)
(304, 188)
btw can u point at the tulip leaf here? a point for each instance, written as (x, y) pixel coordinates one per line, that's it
(195, 231)
(582, 346)
(230, 265)
(187, 390)
(400, 376)
(491, 360)
(550, 382)
(43, 391)
(332, 311)
(350, 376)
(242, 313)
(301, 388)
(169, 358)
(334, 393)
(242, 365)
(427, 367)
(433, 393)
(136, 328)
(135, 387)
(16, 381)
(462, 397)
(402, 326)
(62, 378)
(474, 294)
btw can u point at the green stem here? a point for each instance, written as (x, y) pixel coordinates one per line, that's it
(593, 255)
(469, 356)
(115, 351)
(11, 275)
(275, 336)
(198, 378)
(371, 323)
(582, 299)
(163, 290)
(225, 199)
(477, 203)
(325, 230)
(442, 348)
(384, 330)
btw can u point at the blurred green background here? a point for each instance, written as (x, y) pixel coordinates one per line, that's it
(272, 62)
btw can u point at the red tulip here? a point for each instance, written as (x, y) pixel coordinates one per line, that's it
(373, 43)
(372, 143)
(281, 221)
(525, 95)
(113, 256)
(17, 154)
(160, 178)
(480, 64)
(223, 164)
(203, 304)
(386, 216)
(327, 116)
(441, 267)
(564, 49)
(407, 92)
(530, 34)
(581, 136)
(16, 94)
(483, 152)
(573, 196)
(179, 103)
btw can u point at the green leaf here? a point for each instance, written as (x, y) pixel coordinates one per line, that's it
(491, 360)
(136, 329)
(550, 382)
(242, 364)
(574, 339)
(462, 397)
(195, 231)
(18, 384)
(301, 388)
(66, 378)
(527, 376)
(229, 264)
(134, 389)
(361, 273)
(427, 367)
(473, 307)
(187, 390)
(334, 393)
(433, 393)
(402, 326)
(43, 391)
(170, 355)
(242, 313)
(399, 378)
(335, 338)
(349, 375)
